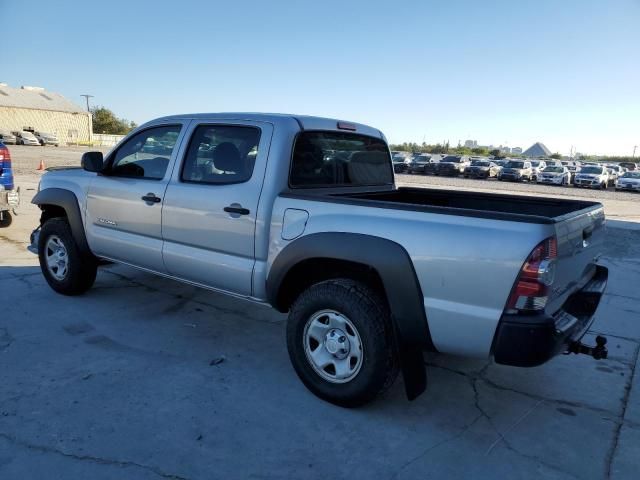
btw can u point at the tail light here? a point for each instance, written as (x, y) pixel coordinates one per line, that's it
(5, 159)
(530, 293)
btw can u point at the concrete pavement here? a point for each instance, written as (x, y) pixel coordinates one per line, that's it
(145, 378)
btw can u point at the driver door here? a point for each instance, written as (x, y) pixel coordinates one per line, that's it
(124, 205)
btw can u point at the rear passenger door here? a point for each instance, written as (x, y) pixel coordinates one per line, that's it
(124, 205)
(210, 207)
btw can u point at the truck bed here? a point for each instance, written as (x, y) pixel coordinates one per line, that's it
(490, 205)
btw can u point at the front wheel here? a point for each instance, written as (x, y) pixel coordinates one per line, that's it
(340, 342)
(65, 268)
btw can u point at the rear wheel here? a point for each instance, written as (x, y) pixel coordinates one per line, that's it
(65, 268)
(340, 342)
(5, 219)
(603, 186)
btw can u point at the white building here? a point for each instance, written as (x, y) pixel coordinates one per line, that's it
(471, 143)
(34, 108)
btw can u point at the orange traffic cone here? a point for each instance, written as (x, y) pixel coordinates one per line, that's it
(41, 166)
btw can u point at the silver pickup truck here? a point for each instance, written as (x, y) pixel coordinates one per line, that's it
(303, 214)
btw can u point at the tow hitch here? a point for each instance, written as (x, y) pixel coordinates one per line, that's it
(598, 352)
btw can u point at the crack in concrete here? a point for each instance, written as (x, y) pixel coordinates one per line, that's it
(424, 453)
(625, 402)
(23, 275)
(534, 396)
(616, 418)
(501, 436)
(5, 338)
(89, 458)
(474, 378)
(537, 459)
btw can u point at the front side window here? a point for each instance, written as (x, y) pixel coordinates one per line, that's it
(221, 154)
(329, 159)
(146, 154)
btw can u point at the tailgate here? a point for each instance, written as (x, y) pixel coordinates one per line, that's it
(580, 237)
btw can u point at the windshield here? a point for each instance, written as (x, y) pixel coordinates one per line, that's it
(631, 175)
(358, 160)
(27, 135)
(480, 163)
(451, 159)
(515, 165)
(535, 164)
(596, 170)
(554, 169)
(422, 159)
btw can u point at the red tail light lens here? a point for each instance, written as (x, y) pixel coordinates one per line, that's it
(531, 290)
(5, 157)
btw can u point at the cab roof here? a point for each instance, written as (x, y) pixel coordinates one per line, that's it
(304, 122)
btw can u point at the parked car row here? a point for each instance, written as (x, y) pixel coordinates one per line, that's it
(549, 172)
(28, 137)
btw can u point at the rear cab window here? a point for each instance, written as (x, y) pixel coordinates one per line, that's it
(333, 159)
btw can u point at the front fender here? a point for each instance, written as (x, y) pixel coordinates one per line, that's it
(66, 200)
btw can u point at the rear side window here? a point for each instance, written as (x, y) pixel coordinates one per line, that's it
(328, 159)
(221, 154)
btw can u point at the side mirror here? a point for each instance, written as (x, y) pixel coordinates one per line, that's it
(92, 161)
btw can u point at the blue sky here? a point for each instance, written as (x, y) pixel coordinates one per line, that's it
(561, 72)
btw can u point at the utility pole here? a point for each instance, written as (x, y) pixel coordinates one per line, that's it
(87, 97)
(634, 151)
(89, 120)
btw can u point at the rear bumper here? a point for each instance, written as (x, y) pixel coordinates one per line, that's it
(530, 340)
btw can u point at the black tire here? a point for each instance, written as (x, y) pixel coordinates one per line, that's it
(81, 269)
(370, 316)
(603, 186)
(7, 219)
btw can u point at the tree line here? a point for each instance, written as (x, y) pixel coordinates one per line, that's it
(105, 121)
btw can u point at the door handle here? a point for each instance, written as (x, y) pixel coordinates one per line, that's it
(237, 209)
(151, 198)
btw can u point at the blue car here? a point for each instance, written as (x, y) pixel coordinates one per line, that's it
(9, 194)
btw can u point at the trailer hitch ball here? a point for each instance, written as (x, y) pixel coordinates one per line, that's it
(599, 351)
